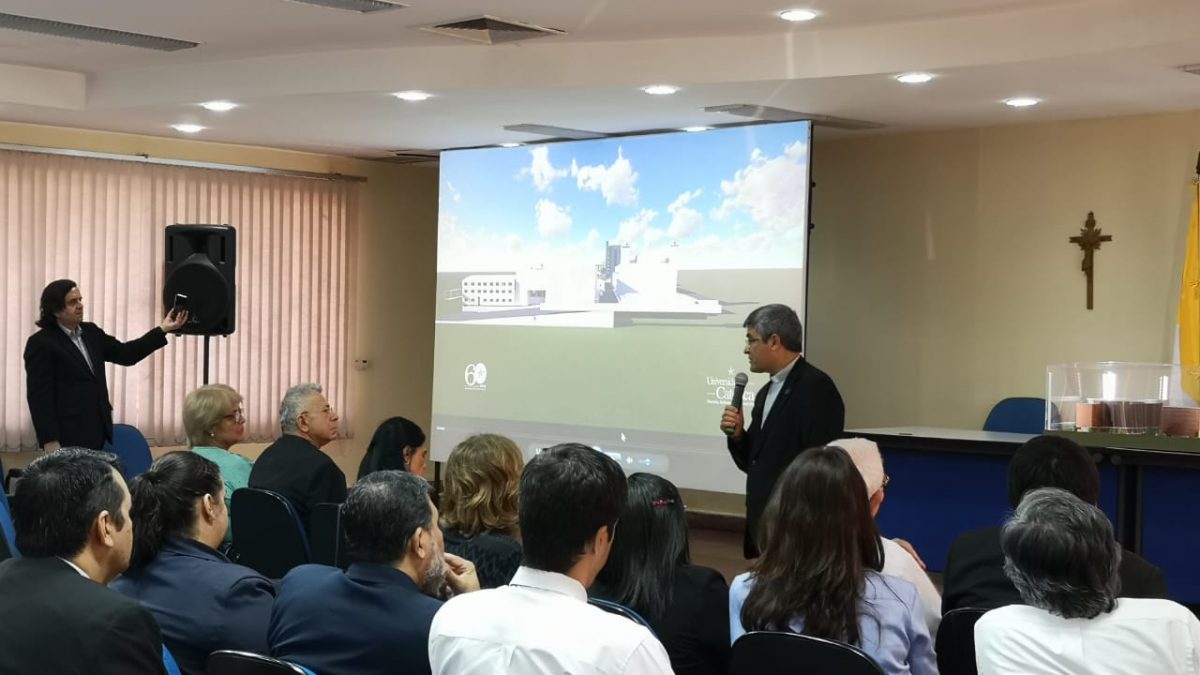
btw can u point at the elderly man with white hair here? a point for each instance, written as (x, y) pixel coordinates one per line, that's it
(897, 560)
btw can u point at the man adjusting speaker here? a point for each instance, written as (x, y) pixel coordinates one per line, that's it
(799, 408)
(67, 387)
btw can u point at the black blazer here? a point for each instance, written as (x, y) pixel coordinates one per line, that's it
(807, 413)
(695, 628)
(975, 577)
(496, 556)
(57, 621)
(68, 401)
(299, 471)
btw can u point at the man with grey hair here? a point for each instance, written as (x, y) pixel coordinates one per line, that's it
(899, 560)
(798, 408)
(294, 465)
(1060, 553)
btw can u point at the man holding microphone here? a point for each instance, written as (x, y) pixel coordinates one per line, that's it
(799, 408)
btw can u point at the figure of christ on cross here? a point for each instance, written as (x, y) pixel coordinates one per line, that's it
(1089, 239)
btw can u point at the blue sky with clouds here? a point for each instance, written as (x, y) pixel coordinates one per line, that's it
(693, 197)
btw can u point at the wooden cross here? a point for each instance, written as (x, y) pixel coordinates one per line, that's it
(1089, 239)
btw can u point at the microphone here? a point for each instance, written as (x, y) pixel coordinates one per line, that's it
(739, 389)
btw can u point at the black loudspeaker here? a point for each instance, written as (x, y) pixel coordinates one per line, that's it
(200, 264)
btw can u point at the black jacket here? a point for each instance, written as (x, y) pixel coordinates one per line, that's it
(67, 400)
(975, 577)
(808, 412)
(57, 621)
(299, 471)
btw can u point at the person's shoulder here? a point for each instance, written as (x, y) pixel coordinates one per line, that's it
(1152, 608)
(886, 588)
(1012, 616)
(701, 575)
(307, 575)
(982, 539)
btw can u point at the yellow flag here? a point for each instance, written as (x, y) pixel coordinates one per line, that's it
(1189, 306)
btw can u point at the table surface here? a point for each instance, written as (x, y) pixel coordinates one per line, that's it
(946, 434)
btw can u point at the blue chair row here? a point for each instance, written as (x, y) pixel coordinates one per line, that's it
(228, 662)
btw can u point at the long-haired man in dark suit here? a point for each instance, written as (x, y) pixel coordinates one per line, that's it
(799, 408)
(67, 388)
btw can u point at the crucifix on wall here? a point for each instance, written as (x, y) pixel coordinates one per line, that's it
(1089, 239)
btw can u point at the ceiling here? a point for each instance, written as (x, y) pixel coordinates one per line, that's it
(318, 79)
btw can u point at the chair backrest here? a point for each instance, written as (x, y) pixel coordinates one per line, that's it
(130, 445)
(229, 662)
(620, 610)
(768, 653)
(8, 547)
(169, 662)
(1018, 415)
(327, 540)
(956, 641)
(268, 536)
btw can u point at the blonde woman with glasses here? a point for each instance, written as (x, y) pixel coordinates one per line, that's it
(214, 421)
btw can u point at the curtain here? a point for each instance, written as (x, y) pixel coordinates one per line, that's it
(101, 223)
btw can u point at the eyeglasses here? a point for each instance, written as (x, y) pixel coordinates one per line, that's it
(237, 416)
(752, 340)
(328, 410)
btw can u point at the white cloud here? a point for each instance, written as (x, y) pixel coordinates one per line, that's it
(454, 193)
(634, 227)
(773, 191)
(552, 219)
(541, 169)
(684, 219)
(617, 181)
(593, 238)
(653, 234)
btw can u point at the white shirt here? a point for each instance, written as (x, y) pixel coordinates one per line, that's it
(77, 568)
(77, 338)
(540, 624)
(1139, 636)
(777, 381)
(899, 563)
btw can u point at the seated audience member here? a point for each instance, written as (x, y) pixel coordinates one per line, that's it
(294, 465)
(649, 571)
(479, 506)
(202, 601)
(214, 422)
(541, 624)
(897, 561)
(1060, 554)
(397, 444)
(374, 617)
(71, 513)
(974, 575)
(819, 573)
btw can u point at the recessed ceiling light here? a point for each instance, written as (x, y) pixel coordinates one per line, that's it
(914, 78)
(660, 89)
(511, 145)
(695, 129)
(413, 95)
(796, 15)
(1021, 101)
(188, 128)
(219, 106)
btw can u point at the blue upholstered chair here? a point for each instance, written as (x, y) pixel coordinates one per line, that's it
(10, 534)
(1018, 415)
(169, 662)
(229, 662)
(269, 537)
(130, 445)
(620, 610)
(777, 653)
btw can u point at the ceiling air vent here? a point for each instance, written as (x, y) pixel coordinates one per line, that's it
(360, 6)
(412, 156)
(1191, 68)
(490, 30)
(77, 31)
(771, 114)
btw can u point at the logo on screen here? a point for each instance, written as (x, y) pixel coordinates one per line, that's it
(475, 376)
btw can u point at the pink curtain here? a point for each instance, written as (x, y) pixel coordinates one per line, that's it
(101, 223)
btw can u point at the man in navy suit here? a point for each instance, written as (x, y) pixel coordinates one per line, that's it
(799, 408)
(374, 617)
(67, 387)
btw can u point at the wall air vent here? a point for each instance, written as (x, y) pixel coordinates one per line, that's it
(490, 30)
(360, 6)
(1191, 68)
(770, 114)
(75, 31)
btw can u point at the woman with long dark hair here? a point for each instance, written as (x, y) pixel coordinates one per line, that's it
(202, 601)
(649, 571)
(398, 443)
(819, 570)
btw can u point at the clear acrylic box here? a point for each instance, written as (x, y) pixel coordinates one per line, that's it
(1109, 396)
